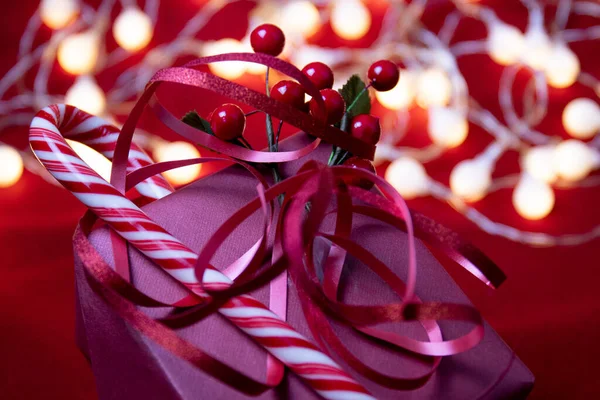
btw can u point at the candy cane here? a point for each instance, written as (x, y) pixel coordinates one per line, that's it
(102, 137)
(318, 370)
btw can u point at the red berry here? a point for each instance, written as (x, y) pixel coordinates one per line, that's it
(334, 105)
(357, 162)
(366, 128)
(383, 75)
(267, 39)
(289, 92)
(228, 122)
(319, 74)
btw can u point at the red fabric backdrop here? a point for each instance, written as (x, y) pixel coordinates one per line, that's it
(547, 311)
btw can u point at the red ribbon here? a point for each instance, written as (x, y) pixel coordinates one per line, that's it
(291, 251)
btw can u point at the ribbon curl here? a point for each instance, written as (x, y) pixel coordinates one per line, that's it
(291, 251)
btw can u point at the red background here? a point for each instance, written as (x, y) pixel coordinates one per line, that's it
(547, 311)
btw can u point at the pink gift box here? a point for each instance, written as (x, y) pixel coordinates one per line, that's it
(128, 365)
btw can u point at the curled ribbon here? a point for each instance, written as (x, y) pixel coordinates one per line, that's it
(291, 251)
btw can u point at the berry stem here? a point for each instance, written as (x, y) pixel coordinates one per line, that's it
(277, 135)
(249, 113)
(329, 162)
(343, 157)
(269, 121)
(336, 155)
(245, 143)
(271, 136)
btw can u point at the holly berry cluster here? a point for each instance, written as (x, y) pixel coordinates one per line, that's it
(348, 108)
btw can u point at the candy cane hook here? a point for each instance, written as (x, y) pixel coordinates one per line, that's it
(102, 137)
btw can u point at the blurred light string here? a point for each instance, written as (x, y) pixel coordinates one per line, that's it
(430, 78)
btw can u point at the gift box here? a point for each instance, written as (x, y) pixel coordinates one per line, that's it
(127, 364)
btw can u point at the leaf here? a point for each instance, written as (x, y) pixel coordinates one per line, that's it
(193, 119)
(350, 91)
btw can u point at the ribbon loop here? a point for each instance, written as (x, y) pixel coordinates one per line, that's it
(308, 198)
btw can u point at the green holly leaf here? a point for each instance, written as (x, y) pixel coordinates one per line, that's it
(193, 119)
(350, 91)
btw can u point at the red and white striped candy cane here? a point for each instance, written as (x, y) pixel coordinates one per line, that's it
(317, 369)
(102, 137)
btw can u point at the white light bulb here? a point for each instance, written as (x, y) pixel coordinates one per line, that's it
(133, 29)
(226, 69)
(57, 14)
(86, 95)
(78, 53)
(265, 12)
(562, 68)
(471, 179)
(402, 95)
(433, 88)
(350, 19)
(11, 166)
(532, 198)
(574, 160)
(447, 127)
(381, 155)
(538, 49)
(307, 54)
(505, 43)
(301, 17)
(249, 67)
(91, 157)
(581, 118)
(408, 177)
(179, 151)
(255, 69)
(539, 163)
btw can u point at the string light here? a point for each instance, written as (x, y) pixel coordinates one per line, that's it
(402, 95)
(11, 166)
(174, 151)
(265, 12)
(56, 14)
(538, 48)
(350, 19)
(414, 45)
(78, 53)
(226, 69)
(574, 160)
(562, 67)
(581, 118)
(532, 198)
(433, 88)
(539, 163)
(86, 95)
(307, 54)
(301, 17)
(447, 127)
(133, 29)
(251, 68)
(91, 157)
(505, 43)
(408, 177)
(471, 179)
